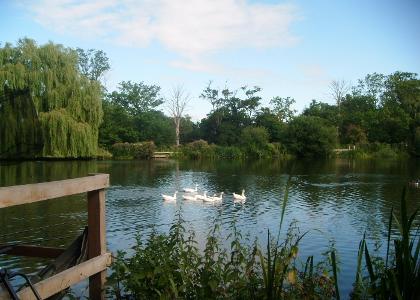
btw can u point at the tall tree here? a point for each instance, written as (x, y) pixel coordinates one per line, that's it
(373, 85)
(93, 63)
(44, 94)
(177, 103)
(338, 91)
(282, 107)
(136, 98)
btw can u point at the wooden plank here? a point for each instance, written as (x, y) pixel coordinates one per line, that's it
(32, 251)
(28, 193)
(96, 240)
(54, 284)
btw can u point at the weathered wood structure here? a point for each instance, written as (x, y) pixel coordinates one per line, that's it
(98, 260)
(157, 155)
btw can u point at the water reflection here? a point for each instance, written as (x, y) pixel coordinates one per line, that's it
(341, 199)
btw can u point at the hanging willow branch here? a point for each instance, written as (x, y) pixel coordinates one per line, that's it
(47, 102)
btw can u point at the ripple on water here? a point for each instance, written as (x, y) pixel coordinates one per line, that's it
(335, 202)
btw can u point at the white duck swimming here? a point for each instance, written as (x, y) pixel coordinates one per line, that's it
(191, 198)
(190, 190)
(241, 197)
(169, 198)
(202, 197)
(215, 198)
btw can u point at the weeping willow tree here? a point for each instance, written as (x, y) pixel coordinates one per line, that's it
(47, 107)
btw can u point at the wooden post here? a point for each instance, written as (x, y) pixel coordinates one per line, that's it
(96, 240)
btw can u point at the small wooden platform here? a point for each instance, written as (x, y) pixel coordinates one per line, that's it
(162, 155)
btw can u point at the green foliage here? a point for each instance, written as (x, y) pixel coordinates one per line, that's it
(282, 108)
(232, 111)
(130, 116)
(103, 154)
(118, 126)
(190, 131)
(136, 98)
(267, 119)
(169, 266)
(154, 125)
(254, 141)
(355, 135)
(93, 63)
(229, 152)
(198, 149)
(376, 150)
(323, 110)
(397, 276)
(310, 136)
(42, 92)
(142, 150)
(416, 149)
(50, 106)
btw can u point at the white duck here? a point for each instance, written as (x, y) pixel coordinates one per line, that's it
(169, 198)
(215, 198)
(190, 190)
(202, 197)
(191, 198)
(241, 197)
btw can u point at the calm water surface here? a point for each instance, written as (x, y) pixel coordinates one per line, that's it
(337, 200)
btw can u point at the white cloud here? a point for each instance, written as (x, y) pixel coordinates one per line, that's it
(193, 29)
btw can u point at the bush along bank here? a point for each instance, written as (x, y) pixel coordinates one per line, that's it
(203, 150)
(170, 266)
(142, 150)
(376, 151)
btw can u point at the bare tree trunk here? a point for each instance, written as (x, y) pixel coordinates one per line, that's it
(338, 91)
(177, 102)
(177, 123)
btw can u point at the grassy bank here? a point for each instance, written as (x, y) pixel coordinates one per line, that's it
(376, 151)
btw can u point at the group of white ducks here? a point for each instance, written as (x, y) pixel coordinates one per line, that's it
(192, 195)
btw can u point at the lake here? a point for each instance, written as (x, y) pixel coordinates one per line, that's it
(336, 200)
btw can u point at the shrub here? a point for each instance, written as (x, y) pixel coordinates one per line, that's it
(198, 149)
(277, 150)
(230, 152)
(311, 136)
(142, 150)
(376, 150)
(355, 135)
(170, 266)
(254, 141)
(103, 154)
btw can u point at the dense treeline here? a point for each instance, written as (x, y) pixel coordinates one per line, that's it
(54, 105)
(380, 114)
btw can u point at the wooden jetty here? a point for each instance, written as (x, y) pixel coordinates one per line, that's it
(349, 148)
(98, 260)
(162, 155)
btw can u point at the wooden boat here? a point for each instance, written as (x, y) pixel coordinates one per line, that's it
(75, 254)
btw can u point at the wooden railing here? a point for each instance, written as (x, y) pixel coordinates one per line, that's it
(98, 258)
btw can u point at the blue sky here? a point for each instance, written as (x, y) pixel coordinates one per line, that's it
(289, 48)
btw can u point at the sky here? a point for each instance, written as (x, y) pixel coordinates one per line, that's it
(288, 48)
